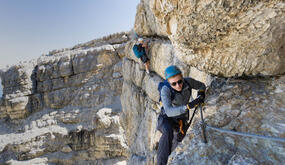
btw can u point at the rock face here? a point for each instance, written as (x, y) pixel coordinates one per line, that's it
(140, 97)
(221, 38)
(64, 108)
(94, 103)
(225, 38)
(245, 105)
(250, 106)
(18, 86)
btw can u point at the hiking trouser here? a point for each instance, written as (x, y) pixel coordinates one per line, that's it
(144, 58)
(165, 141)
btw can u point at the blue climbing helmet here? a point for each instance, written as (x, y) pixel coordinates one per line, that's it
(171, 71)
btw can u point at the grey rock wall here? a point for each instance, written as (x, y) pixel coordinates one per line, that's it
(251, 106)
(226, 38)
(65, 107)
(208, 39)
(140, 97)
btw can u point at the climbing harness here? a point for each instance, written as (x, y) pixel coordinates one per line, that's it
(204, 126)
(181, 126)
(187, 125)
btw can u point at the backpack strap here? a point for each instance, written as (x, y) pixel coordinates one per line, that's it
(140, 47)
(160, 86)
(190, 88)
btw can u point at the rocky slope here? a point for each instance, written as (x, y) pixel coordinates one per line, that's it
(94, 103)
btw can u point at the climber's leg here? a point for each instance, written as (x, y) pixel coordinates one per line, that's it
(165, 142)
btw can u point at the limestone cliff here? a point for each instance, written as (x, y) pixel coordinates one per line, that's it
(250, 105)
(222, 37)
(64, 108)
(94, 103)
(211, 40)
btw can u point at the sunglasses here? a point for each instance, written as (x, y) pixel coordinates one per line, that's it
(177, 82)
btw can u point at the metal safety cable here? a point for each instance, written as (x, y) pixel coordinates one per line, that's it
(240, 133)
(247, 134)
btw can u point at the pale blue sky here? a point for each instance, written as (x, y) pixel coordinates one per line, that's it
(29, 28)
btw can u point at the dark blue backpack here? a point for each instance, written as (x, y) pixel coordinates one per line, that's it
(138, 50)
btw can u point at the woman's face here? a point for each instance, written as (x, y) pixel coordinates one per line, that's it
(176, 82)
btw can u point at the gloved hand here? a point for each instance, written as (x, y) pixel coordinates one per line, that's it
(201, 94)
(194, 103)
(199, 100)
